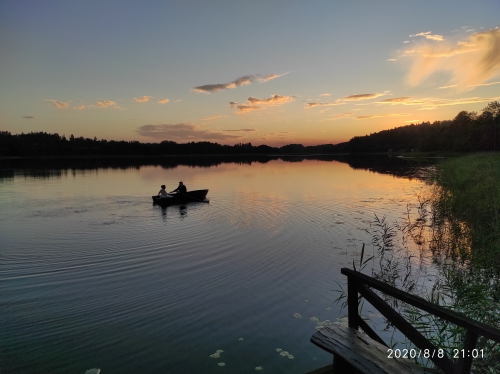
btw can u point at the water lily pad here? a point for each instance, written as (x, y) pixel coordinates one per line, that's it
(258, 368)
(221, 364)
(297, 315)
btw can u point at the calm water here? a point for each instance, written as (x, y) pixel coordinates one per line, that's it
(93, 275)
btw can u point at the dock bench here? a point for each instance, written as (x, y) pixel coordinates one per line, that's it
(356, 352)
(365, 352)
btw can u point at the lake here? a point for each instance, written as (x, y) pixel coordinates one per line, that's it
(92, 274)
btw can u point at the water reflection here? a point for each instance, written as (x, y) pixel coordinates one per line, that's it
(180, 211)
(59, 167)
(111, 274)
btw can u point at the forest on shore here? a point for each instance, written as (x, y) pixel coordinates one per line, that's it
(467, 132)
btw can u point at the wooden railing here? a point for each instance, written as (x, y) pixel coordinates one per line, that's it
(360, 284)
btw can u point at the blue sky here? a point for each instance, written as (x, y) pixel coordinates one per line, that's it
(266, 72)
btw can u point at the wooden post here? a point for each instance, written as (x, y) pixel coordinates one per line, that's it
(465, 360)
(352, 303)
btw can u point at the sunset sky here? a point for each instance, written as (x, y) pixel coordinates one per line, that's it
(265, 72)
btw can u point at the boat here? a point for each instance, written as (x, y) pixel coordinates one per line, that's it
(182, 198)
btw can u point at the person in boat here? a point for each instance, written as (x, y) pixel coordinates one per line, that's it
(180, 189)
(163, 192)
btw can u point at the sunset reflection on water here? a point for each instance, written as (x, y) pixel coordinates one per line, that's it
(134, 283)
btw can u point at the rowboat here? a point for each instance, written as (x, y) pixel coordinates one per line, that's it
(181, 198)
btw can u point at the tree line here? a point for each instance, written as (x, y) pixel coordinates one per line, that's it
(467, 132)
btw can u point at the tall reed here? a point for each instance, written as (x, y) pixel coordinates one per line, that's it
(446, 250)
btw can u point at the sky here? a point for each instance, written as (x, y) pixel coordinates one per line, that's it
(266, 72)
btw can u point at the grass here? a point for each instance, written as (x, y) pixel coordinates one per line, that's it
(467, 196)
(455, 226)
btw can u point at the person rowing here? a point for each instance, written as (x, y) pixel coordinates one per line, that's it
(180, 189)
(163, 193)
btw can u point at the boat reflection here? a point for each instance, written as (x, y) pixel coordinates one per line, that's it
(180, 211)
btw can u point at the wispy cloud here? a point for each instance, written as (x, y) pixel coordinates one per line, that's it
(246, 79)
(142, 99)
(413, 120)
(29, 117)
(271, 101)
(344, 100)
(429, 35)
(182, 132)
(163, 101)
(391, 59)
(325, 94)
(431, 103)
(315, 104)
(106, 104)
(79, 107)
(394, 100)
(259, 104)
(382, 115)
(444, 87)
(212, 117)
(269, 77)
(58, 104)
(470, 63)
(484, 84)
(335, 117)
(358, 97)
(241, 130)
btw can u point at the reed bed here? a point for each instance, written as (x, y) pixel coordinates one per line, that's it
(446, 250)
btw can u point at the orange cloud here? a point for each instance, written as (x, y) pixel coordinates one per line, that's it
(335, 117)
(79, 107)
(163, 101)
(395, 100)
(444, 87)
(355, 97)
(246, 79)
(358, 97)
(470, 63)
(259, 104)
(106, 104)
(484, 84)
(431, 103)
(269, 77)
(429, 36)
(383, 115)
(58, 104)
(273, 100)
(182, 132)
(142, 99)
(212, 117)
(312, 105)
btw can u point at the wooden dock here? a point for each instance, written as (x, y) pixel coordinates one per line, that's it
(366, 353)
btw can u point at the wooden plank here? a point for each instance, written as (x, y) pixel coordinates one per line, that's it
(362, 352)
(324, 370)
(479, 328)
